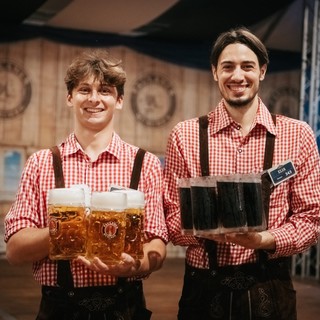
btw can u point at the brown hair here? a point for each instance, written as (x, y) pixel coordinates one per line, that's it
(239, 35)
(99, 64)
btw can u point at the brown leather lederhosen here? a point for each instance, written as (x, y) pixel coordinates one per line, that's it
(64, 276)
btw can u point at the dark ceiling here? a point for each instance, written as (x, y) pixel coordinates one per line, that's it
(186, 20)
(204, 19)
(190, 24)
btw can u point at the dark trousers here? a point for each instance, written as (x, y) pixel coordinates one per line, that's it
(246, 292)
(120, 302)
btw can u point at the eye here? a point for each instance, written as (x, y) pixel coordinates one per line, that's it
(248, 67)
(227, 67)
(105, 90)
(84, 90)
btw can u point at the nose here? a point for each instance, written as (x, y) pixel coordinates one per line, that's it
(94, 96)
(237, 73)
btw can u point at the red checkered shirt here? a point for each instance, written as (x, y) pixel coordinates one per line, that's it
(113, 167)
(294, 203)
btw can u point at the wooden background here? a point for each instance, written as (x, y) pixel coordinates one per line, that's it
(47, 120)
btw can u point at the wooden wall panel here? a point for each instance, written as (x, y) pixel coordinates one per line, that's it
(49, 108)
(31, 117)
(48, 120)
(11, 129)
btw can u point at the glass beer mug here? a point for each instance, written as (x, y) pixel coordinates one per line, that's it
(67, 223)
(134, 223)
(106, 226)
(186, 214)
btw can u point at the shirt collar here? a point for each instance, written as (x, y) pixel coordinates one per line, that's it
(71, 146)
(263, 118)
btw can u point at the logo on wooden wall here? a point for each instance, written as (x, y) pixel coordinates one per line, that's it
(153, 100)
(284, 100)
(15, 89)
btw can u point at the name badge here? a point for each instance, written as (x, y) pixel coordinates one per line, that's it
(282, 172)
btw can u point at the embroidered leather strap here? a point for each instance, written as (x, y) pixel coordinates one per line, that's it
(64, 275)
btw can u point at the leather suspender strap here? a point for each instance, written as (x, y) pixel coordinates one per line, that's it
(57, 166)
(204, 150)
(211, 246)
(266, 185)
(268, 156)
(64, 275)
(136, 171)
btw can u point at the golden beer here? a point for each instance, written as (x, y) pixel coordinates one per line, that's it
(106, 227)
(67, 223)
(134, 224)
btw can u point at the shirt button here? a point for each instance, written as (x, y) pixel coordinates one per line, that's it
(239, 150)
(70, 294)
(213, 273)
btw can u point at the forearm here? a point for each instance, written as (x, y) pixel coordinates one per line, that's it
(28, 245)
(154, 255)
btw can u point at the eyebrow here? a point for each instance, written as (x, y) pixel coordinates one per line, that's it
(232, 62)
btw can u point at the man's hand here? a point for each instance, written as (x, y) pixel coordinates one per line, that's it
(127, 267)
(250, 240)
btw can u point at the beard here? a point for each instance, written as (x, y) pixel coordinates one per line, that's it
(239, 103)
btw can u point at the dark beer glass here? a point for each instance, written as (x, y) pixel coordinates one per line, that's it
(186, 215)
(204, 205)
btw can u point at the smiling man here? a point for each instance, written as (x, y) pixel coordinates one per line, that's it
(95, 156)
(244, 275)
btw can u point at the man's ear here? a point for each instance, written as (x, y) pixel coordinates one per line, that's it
(119, 103)
(214, 73)
(69, 98)
(263, 71)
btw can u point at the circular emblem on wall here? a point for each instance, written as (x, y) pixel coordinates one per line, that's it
(153, 100)
(15, 89)
(285, 100)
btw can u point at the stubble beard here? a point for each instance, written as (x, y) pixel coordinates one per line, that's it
(239, 103)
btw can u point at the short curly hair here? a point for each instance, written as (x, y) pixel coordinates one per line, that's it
(101, 65)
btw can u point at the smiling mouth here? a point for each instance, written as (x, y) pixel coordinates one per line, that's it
(238, 89)
(93, 110)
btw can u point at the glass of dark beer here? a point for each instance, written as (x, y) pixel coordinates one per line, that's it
(204, 205)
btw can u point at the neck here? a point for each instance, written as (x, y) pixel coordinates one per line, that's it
(93, 143)
(245, 116)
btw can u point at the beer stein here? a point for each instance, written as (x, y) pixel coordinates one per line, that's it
(240, 203)
(186, 216)
(106, 226)
(204, 205)
(67, 223)
(134, 223)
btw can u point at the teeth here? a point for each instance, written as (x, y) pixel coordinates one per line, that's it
(238, 89)
(93, 110)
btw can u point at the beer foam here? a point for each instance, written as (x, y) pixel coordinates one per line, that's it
(108, 200)
(66, 196)
(135, 198)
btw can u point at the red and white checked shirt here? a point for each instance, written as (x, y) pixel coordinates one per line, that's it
(294, 204)
(113, 167)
